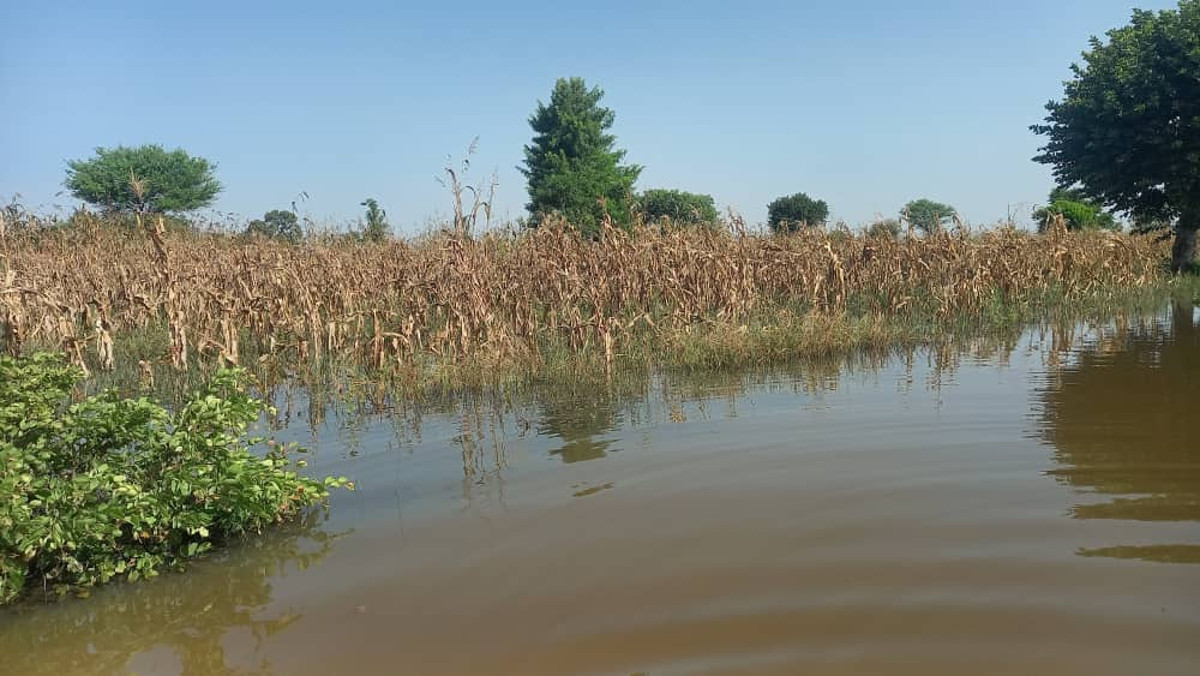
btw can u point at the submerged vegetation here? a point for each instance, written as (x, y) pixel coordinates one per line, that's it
(109, 487)
(460, 310)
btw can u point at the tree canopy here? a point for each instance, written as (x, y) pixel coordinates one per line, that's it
(680, 206)
(1076, 210)
(375, 224)
(1127, 131)
(145, 179)
(572, 165)
(790, 213)
(277, 224)
(928, 216)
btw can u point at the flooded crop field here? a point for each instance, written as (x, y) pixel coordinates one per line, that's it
(1020, 505)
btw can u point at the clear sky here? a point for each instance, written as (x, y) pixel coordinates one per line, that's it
(865, 104)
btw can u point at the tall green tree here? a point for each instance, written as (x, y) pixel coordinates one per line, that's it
(1127, 131)
(145, 179)
(928, 216)
(573, 165)
(791, 212)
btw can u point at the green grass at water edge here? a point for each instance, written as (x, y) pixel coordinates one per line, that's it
(779, 334)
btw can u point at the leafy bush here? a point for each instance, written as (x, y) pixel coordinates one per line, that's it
(789, 214)
(111, 487)
(888, 227)
(678, 206)
(277, 224)
(1076, 210)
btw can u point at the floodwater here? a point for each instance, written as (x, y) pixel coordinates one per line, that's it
(1028, 504)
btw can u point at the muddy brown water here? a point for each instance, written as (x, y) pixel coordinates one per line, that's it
(1029, 505)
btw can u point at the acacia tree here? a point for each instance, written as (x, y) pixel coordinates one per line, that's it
(1127, 131)
(928, 216)
(145, 179)
(573, 166)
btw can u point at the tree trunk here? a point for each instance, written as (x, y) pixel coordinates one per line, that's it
(1183, 253)
(1183, 320)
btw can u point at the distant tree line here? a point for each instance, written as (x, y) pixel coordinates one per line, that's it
(570, 163)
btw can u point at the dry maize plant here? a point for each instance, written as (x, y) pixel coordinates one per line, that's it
(505, 295)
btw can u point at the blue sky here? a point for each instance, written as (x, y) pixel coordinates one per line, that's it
(865, 104)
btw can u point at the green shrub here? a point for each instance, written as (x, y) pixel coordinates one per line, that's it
(1076, 215)
(790, 213)
(679, 206)
(277, 224)
(888, 228)
(1076, 210)
(110, 487)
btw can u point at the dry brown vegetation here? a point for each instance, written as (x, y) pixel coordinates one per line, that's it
(506, 299)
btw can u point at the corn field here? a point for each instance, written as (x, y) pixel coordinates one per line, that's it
(501, 297)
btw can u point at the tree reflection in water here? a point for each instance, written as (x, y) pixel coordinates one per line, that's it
(580, 417)
(1122, 420)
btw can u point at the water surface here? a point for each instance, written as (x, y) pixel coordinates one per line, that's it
(1021, 505)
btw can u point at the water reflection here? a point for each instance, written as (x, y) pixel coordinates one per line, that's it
(191, 615)
(1120, 416)
(912, 470)
(581, 418)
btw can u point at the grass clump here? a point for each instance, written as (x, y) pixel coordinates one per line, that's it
(111, 487)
